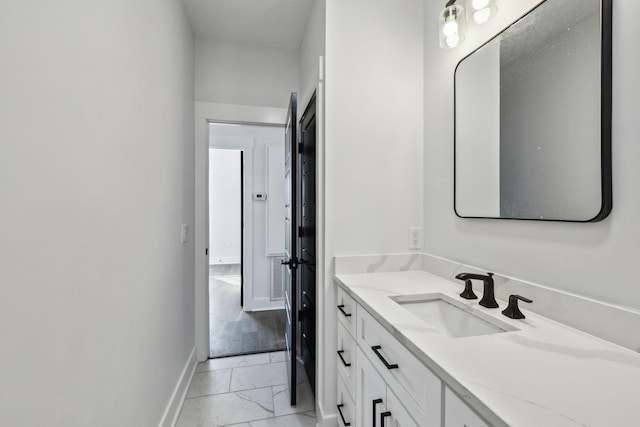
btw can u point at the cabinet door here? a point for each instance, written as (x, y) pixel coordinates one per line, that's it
(346, 359)
(371, 393)
(457, 414)
(398, 416)
(346, 407)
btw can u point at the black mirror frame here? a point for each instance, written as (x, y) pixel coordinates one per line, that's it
(606, 25)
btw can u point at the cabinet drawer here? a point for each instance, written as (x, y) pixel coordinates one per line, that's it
(399, 416)
(346, 311)
(346, 407)
(416, 386)
(347, 359)
(458, 414)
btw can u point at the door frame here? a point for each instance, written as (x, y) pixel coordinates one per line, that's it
(205, 113)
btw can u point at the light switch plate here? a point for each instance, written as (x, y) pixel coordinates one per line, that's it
(415, 238)
(184, 233)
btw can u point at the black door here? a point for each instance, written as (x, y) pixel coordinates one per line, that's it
(289, 274)
(307, 237)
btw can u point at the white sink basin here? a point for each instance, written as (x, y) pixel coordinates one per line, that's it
(451, 317)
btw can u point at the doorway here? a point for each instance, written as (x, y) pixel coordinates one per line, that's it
(246, 309)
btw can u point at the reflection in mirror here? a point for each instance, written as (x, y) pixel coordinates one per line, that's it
(532, 118)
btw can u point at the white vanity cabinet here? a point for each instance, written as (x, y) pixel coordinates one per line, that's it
(346, 406)
(347, 311)
(416, 386)
(376, 403)
(457, 414)
(382, 384)
(371, 393)
(370, 390)
(346, 363)
(346, 360)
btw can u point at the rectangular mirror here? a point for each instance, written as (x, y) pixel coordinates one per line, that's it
(533, 118)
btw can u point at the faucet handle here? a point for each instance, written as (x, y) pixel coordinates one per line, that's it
(512, 311)
(468, 290)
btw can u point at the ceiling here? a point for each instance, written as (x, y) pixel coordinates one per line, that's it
(269, 23)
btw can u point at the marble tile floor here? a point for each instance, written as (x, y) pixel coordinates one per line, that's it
(246, 391)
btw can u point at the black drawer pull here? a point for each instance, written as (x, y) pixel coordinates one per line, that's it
(346, 424)
(342, 358)
(341, 308)
(383, 416)
(375, 349)
(373, 417)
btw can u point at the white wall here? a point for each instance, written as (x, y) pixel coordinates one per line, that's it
(225, 209)
(592, 259)
(232, 73)
(262, 136)
(373, 142)
(311, 48)
(96, 166)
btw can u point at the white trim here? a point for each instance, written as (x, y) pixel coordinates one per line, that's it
(324, 420)
(201, 237)
(272, 208)
(206, 112)
(265, 304)
(172, 411)
(224, 260)
(321, 344)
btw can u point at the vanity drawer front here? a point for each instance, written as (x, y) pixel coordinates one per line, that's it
(346, 406)
(457, 414)
(346, 310)
(347, 359)
(404, 373)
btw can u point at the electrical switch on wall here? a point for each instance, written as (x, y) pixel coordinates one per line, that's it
(184, 233)
(415, 238)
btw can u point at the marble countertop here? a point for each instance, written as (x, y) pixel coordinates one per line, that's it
(542, 374)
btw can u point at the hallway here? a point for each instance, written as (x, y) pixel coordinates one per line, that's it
(245, 391)
(232, 330)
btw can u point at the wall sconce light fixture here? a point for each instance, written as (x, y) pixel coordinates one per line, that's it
(452, 24)
(453, 19)
(480, 11)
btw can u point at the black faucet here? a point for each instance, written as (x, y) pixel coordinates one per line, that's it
(488, 299)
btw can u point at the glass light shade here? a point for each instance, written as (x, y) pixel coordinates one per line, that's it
(452, 26)
(480, 11)
(479, 4)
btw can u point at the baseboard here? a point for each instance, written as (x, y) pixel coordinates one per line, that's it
(171, 412)
(264, 304)
(224, 260)
(325, 420)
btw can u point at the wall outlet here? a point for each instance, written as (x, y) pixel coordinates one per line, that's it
(415, 238)
(184, 233)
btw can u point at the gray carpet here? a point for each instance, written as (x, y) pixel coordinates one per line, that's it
(233, 331)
